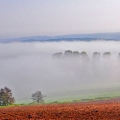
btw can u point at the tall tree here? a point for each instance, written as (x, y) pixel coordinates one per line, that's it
(6, 97)
(38, 97)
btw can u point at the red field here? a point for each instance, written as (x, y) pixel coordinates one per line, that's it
(107, 110)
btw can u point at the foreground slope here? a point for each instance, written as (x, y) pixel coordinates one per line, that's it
(102, 110)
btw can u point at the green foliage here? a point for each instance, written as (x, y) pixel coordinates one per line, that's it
(6, 97)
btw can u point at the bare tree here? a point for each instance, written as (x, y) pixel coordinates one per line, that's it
(38, 97)
(6, 97)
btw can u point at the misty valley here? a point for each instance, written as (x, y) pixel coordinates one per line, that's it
(63, 71)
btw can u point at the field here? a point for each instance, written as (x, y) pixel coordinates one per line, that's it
(97, 110)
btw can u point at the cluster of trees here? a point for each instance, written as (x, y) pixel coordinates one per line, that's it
(6, 97)
(83, 54)
(69, 53)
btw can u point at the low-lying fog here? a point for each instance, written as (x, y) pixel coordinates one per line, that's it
(28, 67)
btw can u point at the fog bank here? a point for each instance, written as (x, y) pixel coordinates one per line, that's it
(28, 67)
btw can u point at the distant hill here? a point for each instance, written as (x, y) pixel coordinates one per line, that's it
(72, 37)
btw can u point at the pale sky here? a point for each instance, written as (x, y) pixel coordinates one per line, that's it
(19, 18)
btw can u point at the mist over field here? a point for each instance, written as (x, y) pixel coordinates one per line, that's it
(28, 67)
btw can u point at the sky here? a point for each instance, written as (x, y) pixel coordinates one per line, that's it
(29, 67)
(19, 18)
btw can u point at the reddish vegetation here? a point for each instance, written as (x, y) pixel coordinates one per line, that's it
(74, 111)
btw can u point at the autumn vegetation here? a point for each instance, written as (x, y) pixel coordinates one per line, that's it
(100, 110)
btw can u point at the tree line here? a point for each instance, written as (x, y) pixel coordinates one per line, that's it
(83, 54)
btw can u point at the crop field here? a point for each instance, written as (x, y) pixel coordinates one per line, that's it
(98, 110)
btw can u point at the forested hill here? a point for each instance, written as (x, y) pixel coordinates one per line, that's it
(71, 37)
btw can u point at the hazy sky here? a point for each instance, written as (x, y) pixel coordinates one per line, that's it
(55, 17)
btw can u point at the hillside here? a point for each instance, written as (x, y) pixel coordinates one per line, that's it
(72, 37)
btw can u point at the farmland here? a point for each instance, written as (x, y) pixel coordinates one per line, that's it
(97, 110)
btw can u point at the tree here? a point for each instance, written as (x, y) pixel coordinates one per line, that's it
(107, 55)
(57, 55)
(68, 53)
(76, 54)
(84, 55)
(6, 97)
(38, 97)
(96, 55)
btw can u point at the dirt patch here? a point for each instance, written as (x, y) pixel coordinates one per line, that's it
(100, 110)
